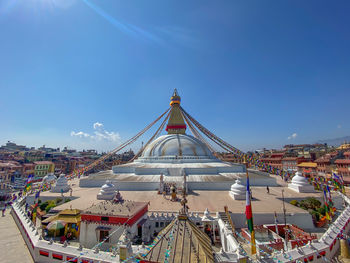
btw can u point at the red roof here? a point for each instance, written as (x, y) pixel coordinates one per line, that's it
(43, 162)
(342, 161)
(323, 159)
(10, 165)
(289, 158)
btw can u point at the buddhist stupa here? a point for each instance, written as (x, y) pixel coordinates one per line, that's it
(174, 155)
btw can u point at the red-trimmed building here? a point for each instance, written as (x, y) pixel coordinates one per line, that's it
(101, 220)
(343, 166)
(274, 160)
(308, 169)
(291, 163)
(323, 165)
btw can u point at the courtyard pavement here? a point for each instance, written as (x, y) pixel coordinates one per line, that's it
(12, 245)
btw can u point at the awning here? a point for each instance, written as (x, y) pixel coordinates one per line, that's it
(104, 228)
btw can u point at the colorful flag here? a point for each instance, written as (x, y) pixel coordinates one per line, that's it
(326, 205)
(249, 216)
(330, 202)
(335, 176)
(28, 185)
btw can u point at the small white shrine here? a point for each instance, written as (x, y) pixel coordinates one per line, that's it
(61, 185)
(49, 178)
(300, 184)
(238, 190)
(107, 192)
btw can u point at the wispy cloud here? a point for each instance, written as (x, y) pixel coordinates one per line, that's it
(98, 125)
(98, 134)
(339, 126)
(293, 136)
(179, 35)
(124, 27)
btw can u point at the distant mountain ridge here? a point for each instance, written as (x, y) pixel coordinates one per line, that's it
(335, 141)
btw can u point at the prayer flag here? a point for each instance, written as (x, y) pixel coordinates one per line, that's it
(249, 217)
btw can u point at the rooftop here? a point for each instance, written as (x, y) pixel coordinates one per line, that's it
(43, 162)
(189, 244)
(342, 161)
(125, 208)
(308, 164)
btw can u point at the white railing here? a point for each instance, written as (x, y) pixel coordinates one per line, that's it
(324, 249)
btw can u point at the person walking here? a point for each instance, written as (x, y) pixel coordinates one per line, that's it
(268, 189)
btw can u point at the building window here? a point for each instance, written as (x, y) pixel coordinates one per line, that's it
(157, 224)
(104, 234)
(161, 224)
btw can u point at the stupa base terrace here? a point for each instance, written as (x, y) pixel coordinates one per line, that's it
(264, 205)
(202, 177)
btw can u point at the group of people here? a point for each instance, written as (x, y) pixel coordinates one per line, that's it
(9, 201)
(167, 188)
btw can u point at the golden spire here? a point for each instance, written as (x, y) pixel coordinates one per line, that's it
(176, 123)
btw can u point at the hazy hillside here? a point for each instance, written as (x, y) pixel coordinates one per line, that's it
(335, 141)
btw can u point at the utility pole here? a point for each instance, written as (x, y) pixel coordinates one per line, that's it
(286, 233)
(284, 209)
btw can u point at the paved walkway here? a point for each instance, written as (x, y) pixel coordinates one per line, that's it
(12, 245)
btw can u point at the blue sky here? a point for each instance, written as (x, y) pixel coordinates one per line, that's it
(253, 72)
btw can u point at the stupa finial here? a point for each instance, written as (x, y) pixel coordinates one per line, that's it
(175, 99)
(176, 123)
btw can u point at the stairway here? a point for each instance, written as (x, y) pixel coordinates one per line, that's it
(224, 218)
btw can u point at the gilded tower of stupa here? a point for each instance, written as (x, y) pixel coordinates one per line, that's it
(176, 123)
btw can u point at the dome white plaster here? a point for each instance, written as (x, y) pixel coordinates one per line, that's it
(299, 179)
(107, 192)
(180, 145)
(300, 184)
(49, 178)
(238, 190)
(61, 185)
(238, 187)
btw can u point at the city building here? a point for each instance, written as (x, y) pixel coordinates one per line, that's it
(8, 171)
(308, 169)
(42, 168)
(343, 167)
(101, 219)
(71, 218)
(290, 164)
(274, 159)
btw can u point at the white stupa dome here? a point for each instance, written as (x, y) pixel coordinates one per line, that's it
(238, 190)
(238, 187)
(180, 145)
(107, 192)
(49, 178)
(300, 184)
(299, 179)
(61, 185)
